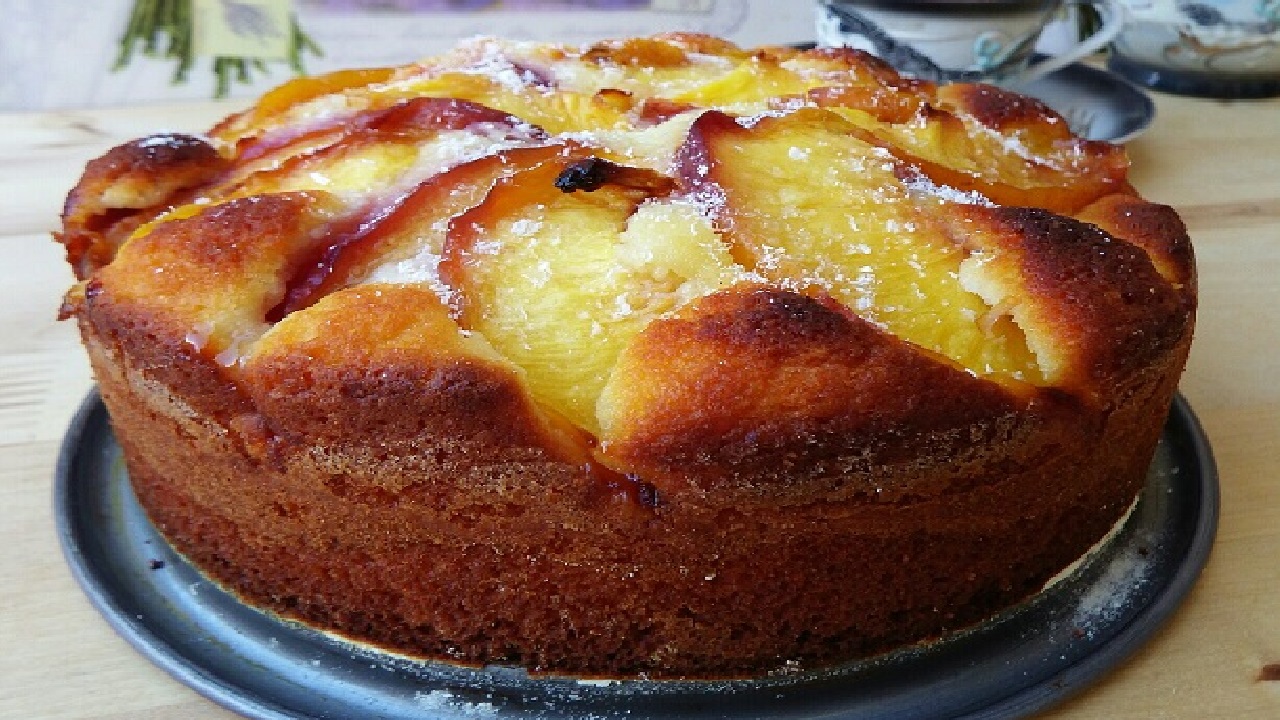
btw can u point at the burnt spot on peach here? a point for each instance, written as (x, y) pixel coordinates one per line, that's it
(591, 174)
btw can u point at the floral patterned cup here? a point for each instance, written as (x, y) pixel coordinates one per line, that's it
(958, 40)
(1213, 48)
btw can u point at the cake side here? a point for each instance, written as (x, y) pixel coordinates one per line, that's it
(528, 561)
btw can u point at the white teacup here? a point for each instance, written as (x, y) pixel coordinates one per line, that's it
(1216, 48)
(959, 40)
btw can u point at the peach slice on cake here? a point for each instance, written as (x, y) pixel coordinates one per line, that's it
(412, 121)
(1012, 149)
(403, 241)
(1084, 299)
(488, 73)
(564, 263)
(273, 109)
(811, 206)
(212, 277)
(386, 148)
(127, 187)
(637, 67)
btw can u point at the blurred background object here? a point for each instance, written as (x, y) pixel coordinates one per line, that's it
(60, 54)
(965, 40)
(239, 37)
(1211, 48)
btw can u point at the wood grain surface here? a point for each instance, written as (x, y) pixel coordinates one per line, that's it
(1219, 656)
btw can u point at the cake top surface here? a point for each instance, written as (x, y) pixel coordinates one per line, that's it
(636, 229)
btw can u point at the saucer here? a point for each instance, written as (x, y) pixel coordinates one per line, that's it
(1097, 104)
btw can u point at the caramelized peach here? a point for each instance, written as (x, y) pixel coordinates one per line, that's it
(1012, 149)
(213, 276)
(275, 103)
(411, 226)
(375, 147)
(128, 186)
(560, 275)
(810, 206)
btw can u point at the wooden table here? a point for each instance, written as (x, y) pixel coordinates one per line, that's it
(1217, 162)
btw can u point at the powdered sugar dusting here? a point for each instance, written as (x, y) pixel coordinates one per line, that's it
(1013, 144)
(781, 109)
(455, 148)
(1110, 596)
(921, 184)
(493, 63)
(708, 199)
(422, 268)
(1093, 551)
(445, 701)
(652, 147)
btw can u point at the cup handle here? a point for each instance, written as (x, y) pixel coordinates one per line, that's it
(1113, 15)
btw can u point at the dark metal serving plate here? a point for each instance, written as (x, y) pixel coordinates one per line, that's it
(263, 667)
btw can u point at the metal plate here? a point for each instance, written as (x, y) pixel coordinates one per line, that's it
(263, 667)
(1097, 104)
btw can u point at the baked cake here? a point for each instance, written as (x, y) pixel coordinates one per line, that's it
(655, 357)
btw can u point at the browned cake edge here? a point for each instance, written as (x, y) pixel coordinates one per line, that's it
(418, 546)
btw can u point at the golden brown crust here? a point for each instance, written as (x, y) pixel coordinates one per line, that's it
(1098, 301)
(210, 279)
(1156, 229)
(370, 462)
(768, 388)
(319, 377)
(124, 188)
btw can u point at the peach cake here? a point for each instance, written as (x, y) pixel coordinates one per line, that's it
(655, 357)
